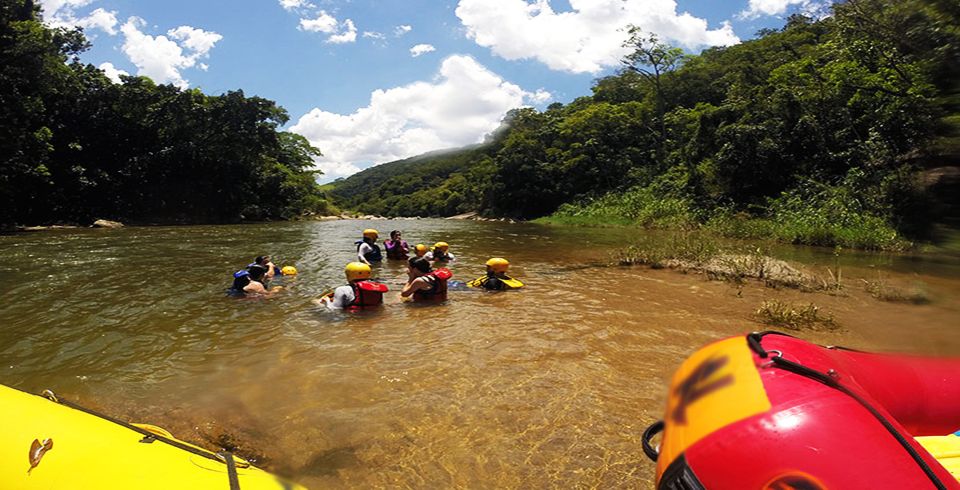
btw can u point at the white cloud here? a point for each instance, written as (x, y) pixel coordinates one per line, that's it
(757, 8)
(340, 32)
(295, 4)
(324, 23)
(348, 35)
(197, 40)
(101, 19)
(585, 39)
(63, 13)
(374, 35)
(463, 103)
(541, 96)
(162, 58)
(401, 30)
(421, 49)
(112, 72)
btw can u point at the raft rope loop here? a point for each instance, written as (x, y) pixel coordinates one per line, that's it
(753, 340)
(224, 456)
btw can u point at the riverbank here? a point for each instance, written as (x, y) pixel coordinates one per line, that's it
(832, 218)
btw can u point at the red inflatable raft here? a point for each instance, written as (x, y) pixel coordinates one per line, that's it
(770, 411)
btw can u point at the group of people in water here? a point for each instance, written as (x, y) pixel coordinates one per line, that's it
(427, 276)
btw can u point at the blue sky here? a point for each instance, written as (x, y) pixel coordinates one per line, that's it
(371, 81)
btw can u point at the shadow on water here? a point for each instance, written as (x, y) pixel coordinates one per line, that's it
(550, 385)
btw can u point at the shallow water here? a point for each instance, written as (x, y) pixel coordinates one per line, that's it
(549, 386)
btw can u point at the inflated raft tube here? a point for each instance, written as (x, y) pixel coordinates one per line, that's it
(49, 443)
(770, 411)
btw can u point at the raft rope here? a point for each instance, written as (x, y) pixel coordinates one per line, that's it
(827, 379)
(224, 456)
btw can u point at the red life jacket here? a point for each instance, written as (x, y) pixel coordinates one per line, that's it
(438, 292)
(366, 294)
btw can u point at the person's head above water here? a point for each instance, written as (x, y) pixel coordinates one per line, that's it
(261, 259)
(357, 271)
(371, 234)
(419, 265)
(421, 249)
(395, 235)
(257, 272)
(498, 265)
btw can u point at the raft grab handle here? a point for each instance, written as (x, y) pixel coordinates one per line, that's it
(654, 429)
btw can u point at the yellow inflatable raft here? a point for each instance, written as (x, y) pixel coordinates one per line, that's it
(48, 443)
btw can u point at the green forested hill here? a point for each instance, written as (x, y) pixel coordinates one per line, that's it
(433, 184)
(74, 146)
(813, 133)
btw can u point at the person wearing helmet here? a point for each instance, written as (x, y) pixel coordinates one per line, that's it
(440, 253)
(424, 283)
(420, 250)
(367, 249)
(397, 248)
(496, 278)
(359, 293)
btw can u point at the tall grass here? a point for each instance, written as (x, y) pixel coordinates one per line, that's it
(813, 214)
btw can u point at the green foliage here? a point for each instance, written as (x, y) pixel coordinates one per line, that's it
(75, 146)
(813, 134)
(648, 206)
(793, 316)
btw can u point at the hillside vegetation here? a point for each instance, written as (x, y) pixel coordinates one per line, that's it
(814, 133)
(74, 146)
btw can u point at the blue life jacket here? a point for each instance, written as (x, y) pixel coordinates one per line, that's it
(372, 256)
(240, 279)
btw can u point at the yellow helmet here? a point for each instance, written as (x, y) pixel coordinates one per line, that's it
(421, 249)
(357, 270)
(498, 264)
(289, 270)
(442, 246)
(371, 233)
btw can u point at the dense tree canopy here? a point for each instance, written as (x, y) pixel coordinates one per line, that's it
(74, 146)
(866, 91)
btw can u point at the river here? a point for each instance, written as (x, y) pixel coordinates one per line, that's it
(548, 386)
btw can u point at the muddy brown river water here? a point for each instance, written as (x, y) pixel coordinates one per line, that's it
(549, 386)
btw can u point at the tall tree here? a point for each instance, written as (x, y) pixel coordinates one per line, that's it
(652, 60)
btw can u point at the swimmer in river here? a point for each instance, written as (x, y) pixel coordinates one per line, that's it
(425, 283)
(250, 282)
(496, 278)
(420, 250)
(440, 253)
(397, 248)
(359, 293)
(367, 249)
(268, 265)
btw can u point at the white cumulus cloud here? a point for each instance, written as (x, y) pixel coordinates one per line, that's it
(295, 4)
(757, 8)
(585, 39)
(63, 13)
(464, 102)
(401, 30)
(324, 23)
(340, 32)
(421, 49)
(112, 72)
(161, 57)
(347, 35)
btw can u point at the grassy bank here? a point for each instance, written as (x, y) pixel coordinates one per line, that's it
(825, 216)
